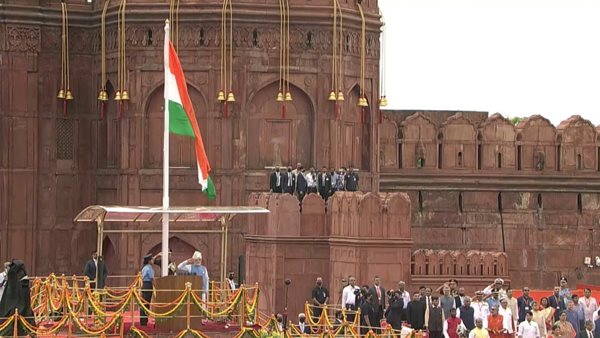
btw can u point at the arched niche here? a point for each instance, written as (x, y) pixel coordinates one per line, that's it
(538, 142)
(419, 263)
(474, 263)
(578, 150)
(458, 145)
(109, 133)
(389, 144)
(182, 250)
(502, 264)
(274, 139)
(110, 255)
(355, 132)
(419, 142)
(447, 263)
(460, 264)
(498, 149)
(435, 263)
(488, 264)
(181, 148)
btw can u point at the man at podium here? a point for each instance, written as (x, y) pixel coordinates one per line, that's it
(193, 266)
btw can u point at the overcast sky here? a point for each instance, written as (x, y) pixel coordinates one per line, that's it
(515, 57)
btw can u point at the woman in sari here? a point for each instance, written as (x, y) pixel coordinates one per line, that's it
(554, 331)
(540, 317)
(565, 329)
(549, 313)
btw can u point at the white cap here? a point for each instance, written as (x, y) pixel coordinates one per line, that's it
(197, 255)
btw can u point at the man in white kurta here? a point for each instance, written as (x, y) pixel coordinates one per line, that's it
(507, 317)
(589, 304)
(528, 328)
(513, 306)
(193, 266)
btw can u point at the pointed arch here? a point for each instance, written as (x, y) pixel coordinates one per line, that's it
(109, 253)
(181, 248)
(498, 149)
(578, 144)
(419, 144)
(109, 132)
(181, 147)
(269, 82)
(354, 133)
(389, 146)
(274, 139)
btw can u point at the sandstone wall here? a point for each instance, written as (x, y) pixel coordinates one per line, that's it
(363, 235)
(529, 190)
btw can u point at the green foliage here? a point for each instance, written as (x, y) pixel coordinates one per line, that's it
(515, 120)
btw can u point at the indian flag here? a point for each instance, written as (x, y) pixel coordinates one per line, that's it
(182, 118)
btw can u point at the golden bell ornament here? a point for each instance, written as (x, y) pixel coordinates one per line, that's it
(69, 95)
(118, 95)
(279, 97)
(104, 95)
(331, 96)
(221, 96)
(230, 97)
(125, 95)
(288, 96)
(383, 101)
(362, 102)
(61, 94)
(101, 95)
(340, 96)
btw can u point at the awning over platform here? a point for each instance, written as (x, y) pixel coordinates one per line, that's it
(100, 214)
(95, 213)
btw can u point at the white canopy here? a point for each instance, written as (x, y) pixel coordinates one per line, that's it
(101, 214)
(95, 213)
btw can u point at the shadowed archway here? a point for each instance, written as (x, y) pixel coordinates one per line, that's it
(355, 133)
(110, 255)
(182, 250)
(274, 140)
(181, 148)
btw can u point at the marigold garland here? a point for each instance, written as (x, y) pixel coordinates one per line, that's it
(138, 333)
(64, 299)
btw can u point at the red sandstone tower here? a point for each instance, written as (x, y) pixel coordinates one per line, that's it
(53, 164)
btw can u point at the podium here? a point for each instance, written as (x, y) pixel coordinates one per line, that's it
(168, 289)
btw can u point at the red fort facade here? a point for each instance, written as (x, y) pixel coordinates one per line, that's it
(444, 194)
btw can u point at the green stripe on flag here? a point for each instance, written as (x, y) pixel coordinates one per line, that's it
(210, 191)
(178, 120)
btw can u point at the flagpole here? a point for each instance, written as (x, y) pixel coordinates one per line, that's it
(164, 266)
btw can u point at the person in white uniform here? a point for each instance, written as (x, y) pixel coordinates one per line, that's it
(528, 328)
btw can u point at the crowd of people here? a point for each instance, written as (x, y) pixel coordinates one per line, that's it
(447, 312)
(300, 182)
